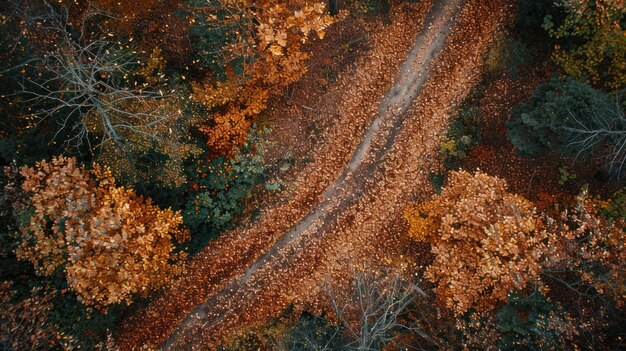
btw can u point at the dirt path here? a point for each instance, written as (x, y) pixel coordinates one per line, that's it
(354, 100)
(343, 210)
(396, 101)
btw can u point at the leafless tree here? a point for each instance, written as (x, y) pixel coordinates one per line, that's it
(600, 128)
(90, 86)
(85, 81)
(374, 311)
(103, 97)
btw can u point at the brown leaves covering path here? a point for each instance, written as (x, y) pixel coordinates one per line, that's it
(373, 162)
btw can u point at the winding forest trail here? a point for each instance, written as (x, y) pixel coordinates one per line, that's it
(342, 209)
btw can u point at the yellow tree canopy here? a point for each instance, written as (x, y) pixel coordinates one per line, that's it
(109, 242)
(485, 240)
(598, 24)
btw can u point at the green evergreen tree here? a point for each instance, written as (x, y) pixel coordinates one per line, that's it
(546, 122)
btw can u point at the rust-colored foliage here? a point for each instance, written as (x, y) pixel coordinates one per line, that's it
(150, 23)
(592, 246)
(230, 131)
(122, 17)
(485, 241)
(109, 242)
(279, 59)
(125, 13)
(24, 324)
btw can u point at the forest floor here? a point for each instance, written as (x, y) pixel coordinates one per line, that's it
(381, 124)
(538, 179)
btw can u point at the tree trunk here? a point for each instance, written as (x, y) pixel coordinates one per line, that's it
(333, 6)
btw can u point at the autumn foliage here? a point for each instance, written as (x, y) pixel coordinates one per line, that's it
(591, 245)
(109, 242)
(23, 323)
(599, 26)
(277, 58)
(485, 241)
(490, 245)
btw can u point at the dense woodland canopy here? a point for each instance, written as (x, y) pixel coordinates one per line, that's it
(134, 135)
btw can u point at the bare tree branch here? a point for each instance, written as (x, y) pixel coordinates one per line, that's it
(606, 127)
(373, 314)
(90, 88)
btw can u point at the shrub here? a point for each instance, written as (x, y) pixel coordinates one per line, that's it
(220, 190)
